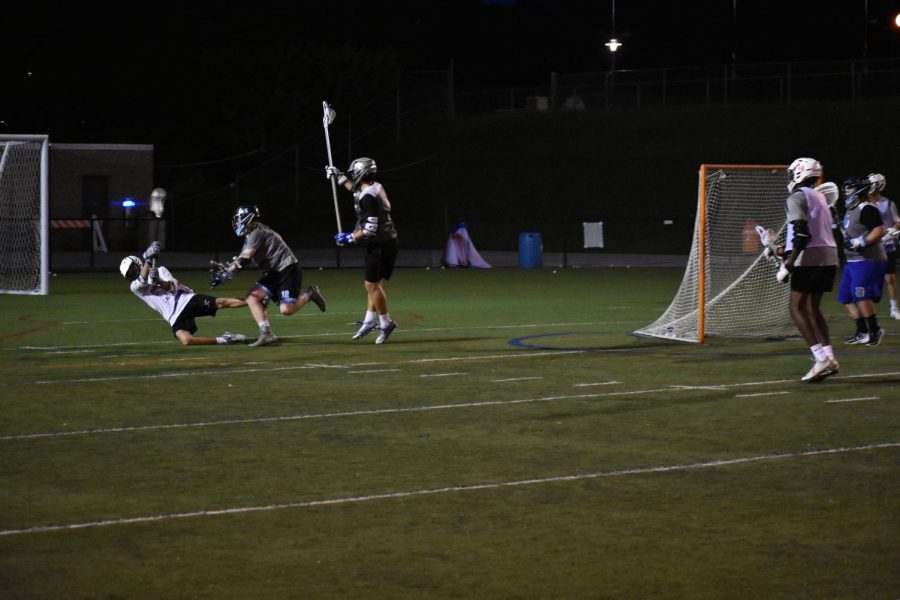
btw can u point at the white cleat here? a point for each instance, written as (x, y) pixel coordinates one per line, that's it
(365, 329)
(386, 332)
(820, 370)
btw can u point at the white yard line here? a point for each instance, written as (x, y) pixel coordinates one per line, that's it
(444, 490)
(595, 384)
(852, 399)
(441, 374)
(775, 393)
(515, 379)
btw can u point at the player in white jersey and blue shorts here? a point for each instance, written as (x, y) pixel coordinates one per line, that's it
(811, 259)
(862, 282)
(176, 302)
(281, 278)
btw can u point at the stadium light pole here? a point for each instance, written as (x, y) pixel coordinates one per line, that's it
(613, 44)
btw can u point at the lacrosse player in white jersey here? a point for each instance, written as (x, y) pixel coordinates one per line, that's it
(176, 302)
(891, 218)
(282, 276)
(374, 229)
(811, 260)
(862, 281)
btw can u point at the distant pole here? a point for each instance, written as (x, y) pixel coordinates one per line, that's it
(865, 29)
(734, 32)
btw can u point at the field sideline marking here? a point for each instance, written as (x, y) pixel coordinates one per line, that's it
(372, 411)
(219, 371)
(444, 490)
(852, 399)
(312, 335)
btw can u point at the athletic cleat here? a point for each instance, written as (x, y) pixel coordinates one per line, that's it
(386, 332)
(234, 338)
(858, 338)
(266, 338)
(315, 296)
(875, 338)
(820, 370)
(835, 366)
(895, 313)
(365, 329)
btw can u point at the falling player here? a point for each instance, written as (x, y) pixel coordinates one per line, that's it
(176, 302)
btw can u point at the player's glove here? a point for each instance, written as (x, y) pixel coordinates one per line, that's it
(336, 173)
(153, 276)
(891, 234)
(152, 251)
(344, 239)
(218, 273)
(857, 243)
(784, 273)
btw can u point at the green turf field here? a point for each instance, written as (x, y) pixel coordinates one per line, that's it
(511, 440)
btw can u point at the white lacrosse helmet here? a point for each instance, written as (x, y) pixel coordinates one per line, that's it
(803, 169)
(128, 263)
(877, 182)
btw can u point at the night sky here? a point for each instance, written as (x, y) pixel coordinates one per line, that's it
(79, 73)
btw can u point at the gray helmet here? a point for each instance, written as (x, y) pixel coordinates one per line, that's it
(360, 169)
(243, 217)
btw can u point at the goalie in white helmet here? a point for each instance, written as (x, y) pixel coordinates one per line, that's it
(811, 260)
(374, 229)
(281, 277)
(174, 301)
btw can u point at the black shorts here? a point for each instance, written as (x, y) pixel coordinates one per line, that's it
(380, 259)
(813, 279)
(198, 306)
(891, 266)
(284, 285)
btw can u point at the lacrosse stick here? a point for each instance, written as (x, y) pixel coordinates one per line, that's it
(328, 115)
(765, 238)
(771, 252)
(829, 189)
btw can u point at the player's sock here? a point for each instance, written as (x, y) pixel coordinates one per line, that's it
(872, 323)
(264, 326)
(829, 351)
(893, 305)
(221, 341)
(817, 352)
(861, 326)
(370, 316)
(384, 320)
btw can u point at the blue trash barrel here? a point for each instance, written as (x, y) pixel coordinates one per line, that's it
(531, 250)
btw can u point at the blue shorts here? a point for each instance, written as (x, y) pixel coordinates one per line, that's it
(861, 280)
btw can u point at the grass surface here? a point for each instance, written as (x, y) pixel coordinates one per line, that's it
(512, 440)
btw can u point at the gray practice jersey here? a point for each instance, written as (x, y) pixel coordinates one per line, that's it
(860, 220)
(807, 204)
(272, 253)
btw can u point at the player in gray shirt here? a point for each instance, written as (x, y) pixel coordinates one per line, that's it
(281, 278)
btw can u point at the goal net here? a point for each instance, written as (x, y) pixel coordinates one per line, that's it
(729, 286)
(24, 252)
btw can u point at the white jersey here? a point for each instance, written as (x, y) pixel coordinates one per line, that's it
(169, 303)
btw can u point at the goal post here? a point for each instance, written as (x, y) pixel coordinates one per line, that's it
(24, 214)
(729, 287)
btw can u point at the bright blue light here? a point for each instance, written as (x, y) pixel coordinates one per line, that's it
(129, 203)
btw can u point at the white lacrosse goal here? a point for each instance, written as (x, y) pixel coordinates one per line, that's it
(729, 287)
(24, 208)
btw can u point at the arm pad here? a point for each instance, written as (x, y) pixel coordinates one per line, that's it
(801, 235)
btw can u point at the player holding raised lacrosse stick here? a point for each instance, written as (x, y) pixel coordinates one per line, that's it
(811, 258)
(281, 278)
(176, 302)
(375, 229)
